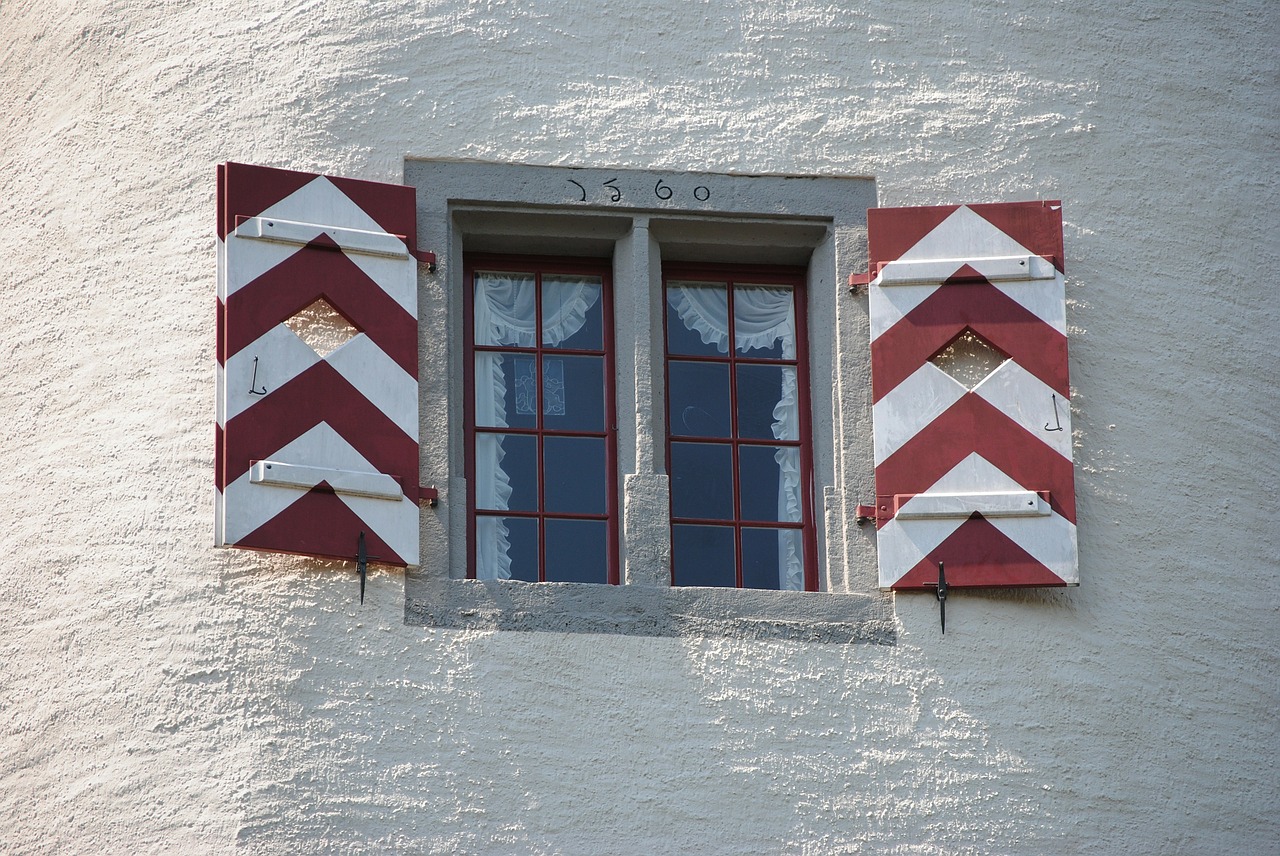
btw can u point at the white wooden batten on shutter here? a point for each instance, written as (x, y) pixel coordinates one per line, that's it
(314, 448)
(974, 472)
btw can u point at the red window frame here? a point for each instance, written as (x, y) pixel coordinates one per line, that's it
(540, 266)
(794, 278)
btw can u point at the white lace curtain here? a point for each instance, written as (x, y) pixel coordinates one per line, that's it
(763, 316)
(505, 314)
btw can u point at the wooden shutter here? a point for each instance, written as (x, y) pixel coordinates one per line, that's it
(314, 450)
(975, 474)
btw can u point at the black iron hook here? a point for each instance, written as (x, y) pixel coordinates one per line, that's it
(1055, 415)
(254, 383)
(362, 565)
(942, 596)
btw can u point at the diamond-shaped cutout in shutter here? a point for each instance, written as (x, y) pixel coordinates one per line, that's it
(970, 359)
(321, 327)
(971, 398)
(318, 358)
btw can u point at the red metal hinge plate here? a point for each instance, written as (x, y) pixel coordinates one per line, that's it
(427, 258)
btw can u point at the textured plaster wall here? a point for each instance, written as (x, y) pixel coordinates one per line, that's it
(157, 695)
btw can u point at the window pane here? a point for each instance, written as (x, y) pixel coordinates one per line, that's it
(697, 319)
(506, 472)
(574, 469)
(577, 551)
(770, 483)
(504, 309)
(506, 548)
(702, 481)
(698, 399)
(573, 393)
(506, 390)
(764, 324)
(772, 559)
(768, 404)
(572, 312)
(703, 556)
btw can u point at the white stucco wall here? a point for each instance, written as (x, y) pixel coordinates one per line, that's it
(157, 695)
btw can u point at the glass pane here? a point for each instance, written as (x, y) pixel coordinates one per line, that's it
(504, 309)
(697, 319)
(506, 472)
(770, 480)
(698, 399)
(773, 559)
(506, 548)
(703, 556)
(572, 312)
(768, 404)
(577, 551)
(506, 390)
(702, 481)
(764, 326)
(574, 469)
(573, 393)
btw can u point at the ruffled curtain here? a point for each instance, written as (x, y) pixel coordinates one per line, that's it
(505, 314)
(762, 317)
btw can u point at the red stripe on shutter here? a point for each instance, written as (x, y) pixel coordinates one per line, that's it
(319, 524)
(291, 286)
(388, 204)
(320, 394)
(971, 426)
(1035, 225)
(893, 231)
(979, 554)
(979, 307)
(247, 191)
(220, 345)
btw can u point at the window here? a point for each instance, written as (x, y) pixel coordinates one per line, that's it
(737, 428)
(540, 449)
(510, 236)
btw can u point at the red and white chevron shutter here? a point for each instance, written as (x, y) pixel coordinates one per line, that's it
(979, 478)
(314, 450)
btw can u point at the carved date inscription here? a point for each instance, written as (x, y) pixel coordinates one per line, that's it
(613, 193)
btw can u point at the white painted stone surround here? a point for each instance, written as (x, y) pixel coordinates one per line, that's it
(158, 695)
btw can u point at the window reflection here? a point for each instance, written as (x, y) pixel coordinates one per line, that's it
(572, 313)
(703, 556)
(698, 399)
(697, 316)
(702, 481)
(574, 390)
(578, 466)
(577, 551)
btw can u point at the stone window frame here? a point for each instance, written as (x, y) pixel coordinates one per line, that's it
(638, 218)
